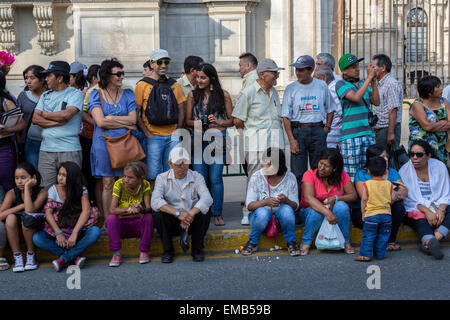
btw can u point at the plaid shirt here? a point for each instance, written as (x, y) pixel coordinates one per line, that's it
(391, 96)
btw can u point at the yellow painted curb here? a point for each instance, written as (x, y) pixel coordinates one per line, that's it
(226, 240)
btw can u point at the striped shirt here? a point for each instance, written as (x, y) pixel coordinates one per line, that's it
(425, 189)
(335, 133)
(355, 122)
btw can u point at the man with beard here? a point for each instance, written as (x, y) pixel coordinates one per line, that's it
(356, 96)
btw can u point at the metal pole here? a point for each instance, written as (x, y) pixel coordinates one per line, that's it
(364, 34)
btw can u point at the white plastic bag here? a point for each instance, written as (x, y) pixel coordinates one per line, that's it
(329, 237)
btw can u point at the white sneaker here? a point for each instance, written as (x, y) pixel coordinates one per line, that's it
(18, 263)
(245, 213)
(245, 221)
(31, 262)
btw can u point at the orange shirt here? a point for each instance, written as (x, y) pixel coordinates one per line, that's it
(141, 94)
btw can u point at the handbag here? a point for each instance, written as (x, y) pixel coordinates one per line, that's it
(398, 156)
(123, 149)
(272, 227)
(34, 221)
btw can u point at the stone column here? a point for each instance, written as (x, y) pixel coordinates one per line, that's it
(43, 15)
(8, 40)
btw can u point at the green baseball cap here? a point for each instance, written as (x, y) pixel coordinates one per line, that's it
(347, 60)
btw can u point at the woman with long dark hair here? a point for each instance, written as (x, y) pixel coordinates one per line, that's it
(69, 229)
(27, 197)
(209, 111)
(326, 194)
(7, 148)
(31, 136)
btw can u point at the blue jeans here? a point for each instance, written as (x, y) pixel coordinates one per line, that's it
(260, 218)
(32, 148)
(313, 220)
(214, 171)
(375, 237)
(84, 241)
(158, 149)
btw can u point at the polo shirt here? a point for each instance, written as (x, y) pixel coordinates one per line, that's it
(249, 78)
(307, 103)
(127, 199)
(355, 122)
(61, 138)
(185, 84)
(141, 94)
(261, 114)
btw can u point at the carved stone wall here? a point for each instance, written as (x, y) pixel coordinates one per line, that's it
(7, 28)
(43, 15)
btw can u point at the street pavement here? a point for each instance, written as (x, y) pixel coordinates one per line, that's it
(406, 274)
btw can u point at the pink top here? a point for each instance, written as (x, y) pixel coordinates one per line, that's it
(320, 191)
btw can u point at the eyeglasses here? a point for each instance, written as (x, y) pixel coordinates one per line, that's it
(160, 62)
(418, 154)
(275, 73)
(118, 74)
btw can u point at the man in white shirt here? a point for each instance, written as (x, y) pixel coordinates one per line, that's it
(181, 203)
(247, 69)
(258, 112)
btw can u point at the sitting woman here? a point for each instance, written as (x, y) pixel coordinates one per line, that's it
(69, 229)
(326, 193)
(130, 213)
(272, 190)
(26, 196)
(397, 208)
(428, 197)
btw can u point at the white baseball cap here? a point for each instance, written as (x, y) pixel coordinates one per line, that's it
(159, 54)
(178, 155)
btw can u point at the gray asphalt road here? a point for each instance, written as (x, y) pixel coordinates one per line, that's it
(407, 274)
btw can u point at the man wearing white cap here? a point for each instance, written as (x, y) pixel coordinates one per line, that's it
(181, 202)
(258, 112)
(161, 100)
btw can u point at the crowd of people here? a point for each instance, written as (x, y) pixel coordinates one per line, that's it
(91, 155)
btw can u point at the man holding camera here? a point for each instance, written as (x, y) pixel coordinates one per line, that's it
(356, 97)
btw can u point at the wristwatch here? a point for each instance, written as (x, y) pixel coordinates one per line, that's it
(177, 214)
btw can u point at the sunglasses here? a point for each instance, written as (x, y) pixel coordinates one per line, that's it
(118, 74)
(160, 62)
(418, 154)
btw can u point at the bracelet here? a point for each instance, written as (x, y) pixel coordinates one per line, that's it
(57, 233)
(336, 198)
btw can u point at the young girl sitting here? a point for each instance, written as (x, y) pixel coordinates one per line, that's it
(130, 212)
(69, 229)
(25, 197)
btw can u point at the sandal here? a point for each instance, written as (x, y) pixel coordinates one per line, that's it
(293, 249)
(4, 265)
(348, 248)
(218, 221)
(304, 249)
(362, 259)
(248, 249)
(393, 246)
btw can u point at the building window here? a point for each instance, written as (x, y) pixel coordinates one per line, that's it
(417, 36)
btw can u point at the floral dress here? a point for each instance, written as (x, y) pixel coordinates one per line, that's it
(437, 140)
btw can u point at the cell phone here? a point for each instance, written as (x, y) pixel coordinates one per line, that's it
(397, 185)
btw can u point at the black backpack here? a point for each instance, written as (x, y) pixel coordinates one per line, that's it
(162, 106)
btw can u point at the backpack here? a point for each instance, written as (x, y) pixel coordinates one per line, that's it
(162, 106)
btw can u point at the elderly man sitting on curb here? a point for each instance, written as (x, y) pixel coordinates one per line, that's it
(181, 202)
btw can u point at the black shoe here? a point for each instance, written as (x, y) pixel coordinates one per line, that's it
(167, 257)
(435, 248)
(198, 256)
